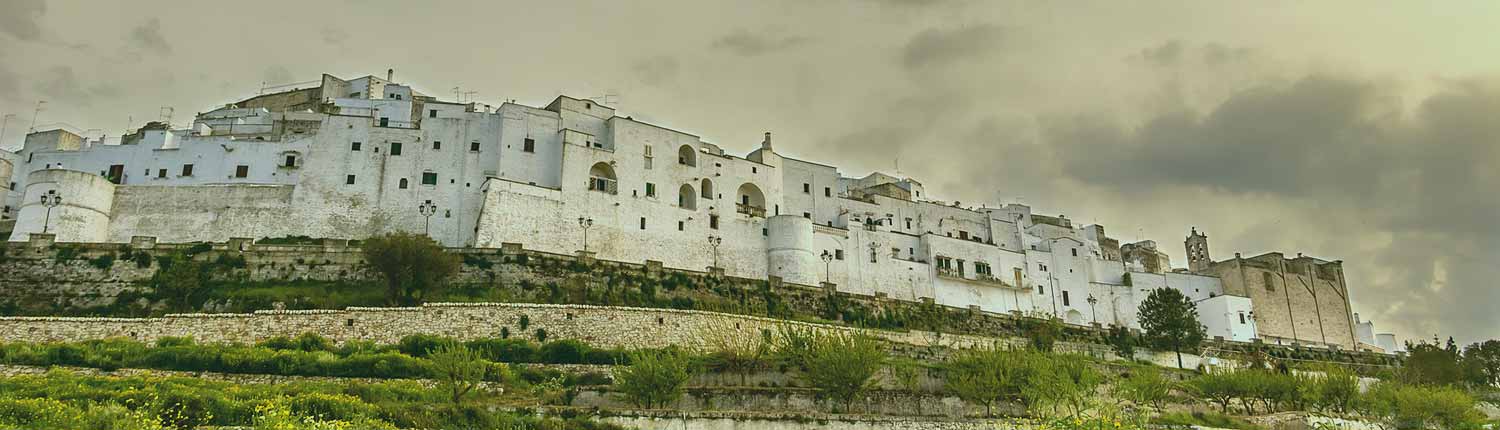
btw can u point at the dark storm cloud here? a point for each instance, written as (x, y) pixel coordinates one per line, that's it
(744, 43)
(655, 70)
(148, 36)
(1341, 145)
(940, 46)
(1174, 53)
(63, 86)
(18, 18)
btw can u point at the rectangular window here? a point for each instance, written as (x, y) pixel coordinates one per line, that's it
(1040, 290)
(1065, 299)
(827, 192)
(161, 173)
(187, 170)
(436, 145)
(648, 162)
(650, 189)
(529, 145)
(354, 146)
(807, 188)
(679, 225)
(806, 215)
(713, 222)
(1075, 251)
(474, 146)
(432, 113)
(643, 223)
(395, 148)
(385, 122)
(241, 171)
(1042, 266)
(429, 178)
(291, 161)
(1242, 318)
(838, 254)
(963, 235)
(348, 179)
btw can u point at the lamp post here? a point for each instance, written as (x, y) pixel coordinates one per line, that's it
(827, 261)
(585, 223)
(1092, 314)
(714, 242)
(427, 209)
(51, 199)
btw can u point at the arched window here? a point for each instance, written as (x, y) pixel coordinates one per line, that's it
(402, 184)
(686, 198)
(751, 201)
(708, 189)
(602, 178)
(686, 156)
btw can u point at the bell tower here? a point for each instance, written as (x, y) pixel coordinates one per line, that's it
(1197, 251)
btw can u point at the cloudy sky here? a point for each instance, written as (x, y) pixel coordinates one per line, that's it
(1362, 131)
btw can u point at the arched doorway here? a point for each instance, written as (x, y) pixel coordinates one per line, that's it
(750, 200)
(687, 156)
(686, 198)
(602, 178)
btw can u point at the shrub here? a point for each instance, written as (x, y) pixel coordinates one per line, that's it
(505, 350)
(327, 406)
(103, 262)
(842, 365)
(1146, 386)
(458, 368)
(740, 355)
(312, 342)
(985, 376)
(566, 351)
(654, 379)
(1061, 383)
(420, 345)
(1402, 406)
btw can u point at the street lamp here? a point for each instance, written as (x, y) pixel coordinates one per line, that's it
(1092, 314)
(51, 199)
(585, 223)
(714, 242)
(427, 209)
(827, 260)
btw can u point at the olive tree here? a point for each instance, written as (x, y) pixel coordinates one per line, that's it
(413, 265)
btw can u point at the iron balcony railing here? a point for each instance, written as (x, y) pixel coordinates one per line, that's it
(603, 185)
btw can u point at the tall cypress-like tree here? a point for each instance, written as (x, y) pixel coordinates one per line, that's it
(1170, 321)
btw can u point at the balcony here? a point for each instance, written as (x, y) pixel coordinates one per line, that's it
(979, 278)
(948, 272)
(605, 185)
(754, 211)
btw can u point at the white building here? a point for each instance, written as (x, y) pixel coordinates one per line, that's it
(353, 158)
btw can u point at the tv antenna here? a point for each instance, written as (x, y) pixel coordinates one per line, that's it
(461, 96)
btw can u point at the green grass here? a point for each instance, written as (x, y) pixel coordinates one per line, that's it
(1205, 419)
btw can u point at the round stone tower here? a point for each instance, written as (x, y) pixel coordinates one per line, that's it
(81, 214)
(790, 250)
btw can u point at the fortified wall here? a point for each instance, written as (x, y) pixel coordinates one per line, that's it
(564, 291)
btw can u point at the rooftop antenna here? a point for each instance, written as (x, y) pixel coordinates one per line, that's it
(39, 104)
(166, 115)
(610, 98)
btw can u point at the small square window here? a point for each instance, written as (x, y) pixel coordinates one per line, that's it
(436, 145)
(349, 180)
(161, 173)
(187, 170)
(432, 113)
(354, 146)
(474, 146)
(291, 161)
(529, 145)
(650, 189)
(395, 148)
(241, 171)
(838, 254)
(429, 178)
(806, 215)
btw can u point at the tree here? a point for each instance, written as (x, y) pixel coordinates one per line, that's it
(1484, 360)
(1402, 406)
(654, 378)
(1432, 364)
(741, 355)
(843, 365)
(1146, 386)
(1121, 341)
(180, 277)
(1335, 391)
(458, 368)
(1170, 320)
(985, 376)
(1217, 387)
(1061, 383)
(413, 265)
(1042, 333)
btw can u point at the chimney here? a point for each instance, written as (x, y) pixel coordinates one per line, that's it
(390, 75)
(766, 144)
